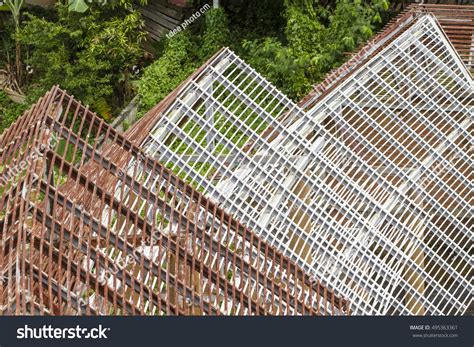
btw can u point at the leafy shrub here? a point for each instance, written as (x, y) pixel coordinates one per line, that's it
(182, 55)
(316, 38)
(166, 73)
(216, 33)
(280, 65)
(88, 54)
(255, 19)
(294, 43)
(9, 111)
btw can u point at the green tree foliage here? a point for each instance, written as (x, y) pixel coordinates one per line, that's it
(167, 72)
(15, 9)
(183, 53)
(255, 19)
(91, 50)
(82, 6)
(88, 54)
(9, 111)
(316, 38)
(280, 65)
(216, 33)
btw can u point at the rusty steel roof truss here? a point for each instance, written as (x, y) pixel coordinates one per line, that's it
(83, 233)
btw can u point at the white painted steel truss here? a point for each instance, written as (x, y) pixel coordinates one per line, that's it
(370, 190)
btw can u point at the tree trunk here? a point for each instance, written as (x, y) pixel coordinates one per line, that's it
(18, 61)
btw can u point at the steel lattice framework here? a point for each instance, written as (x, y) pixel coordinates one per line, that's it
(457, 23)
(369, 190)
(85, 231)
